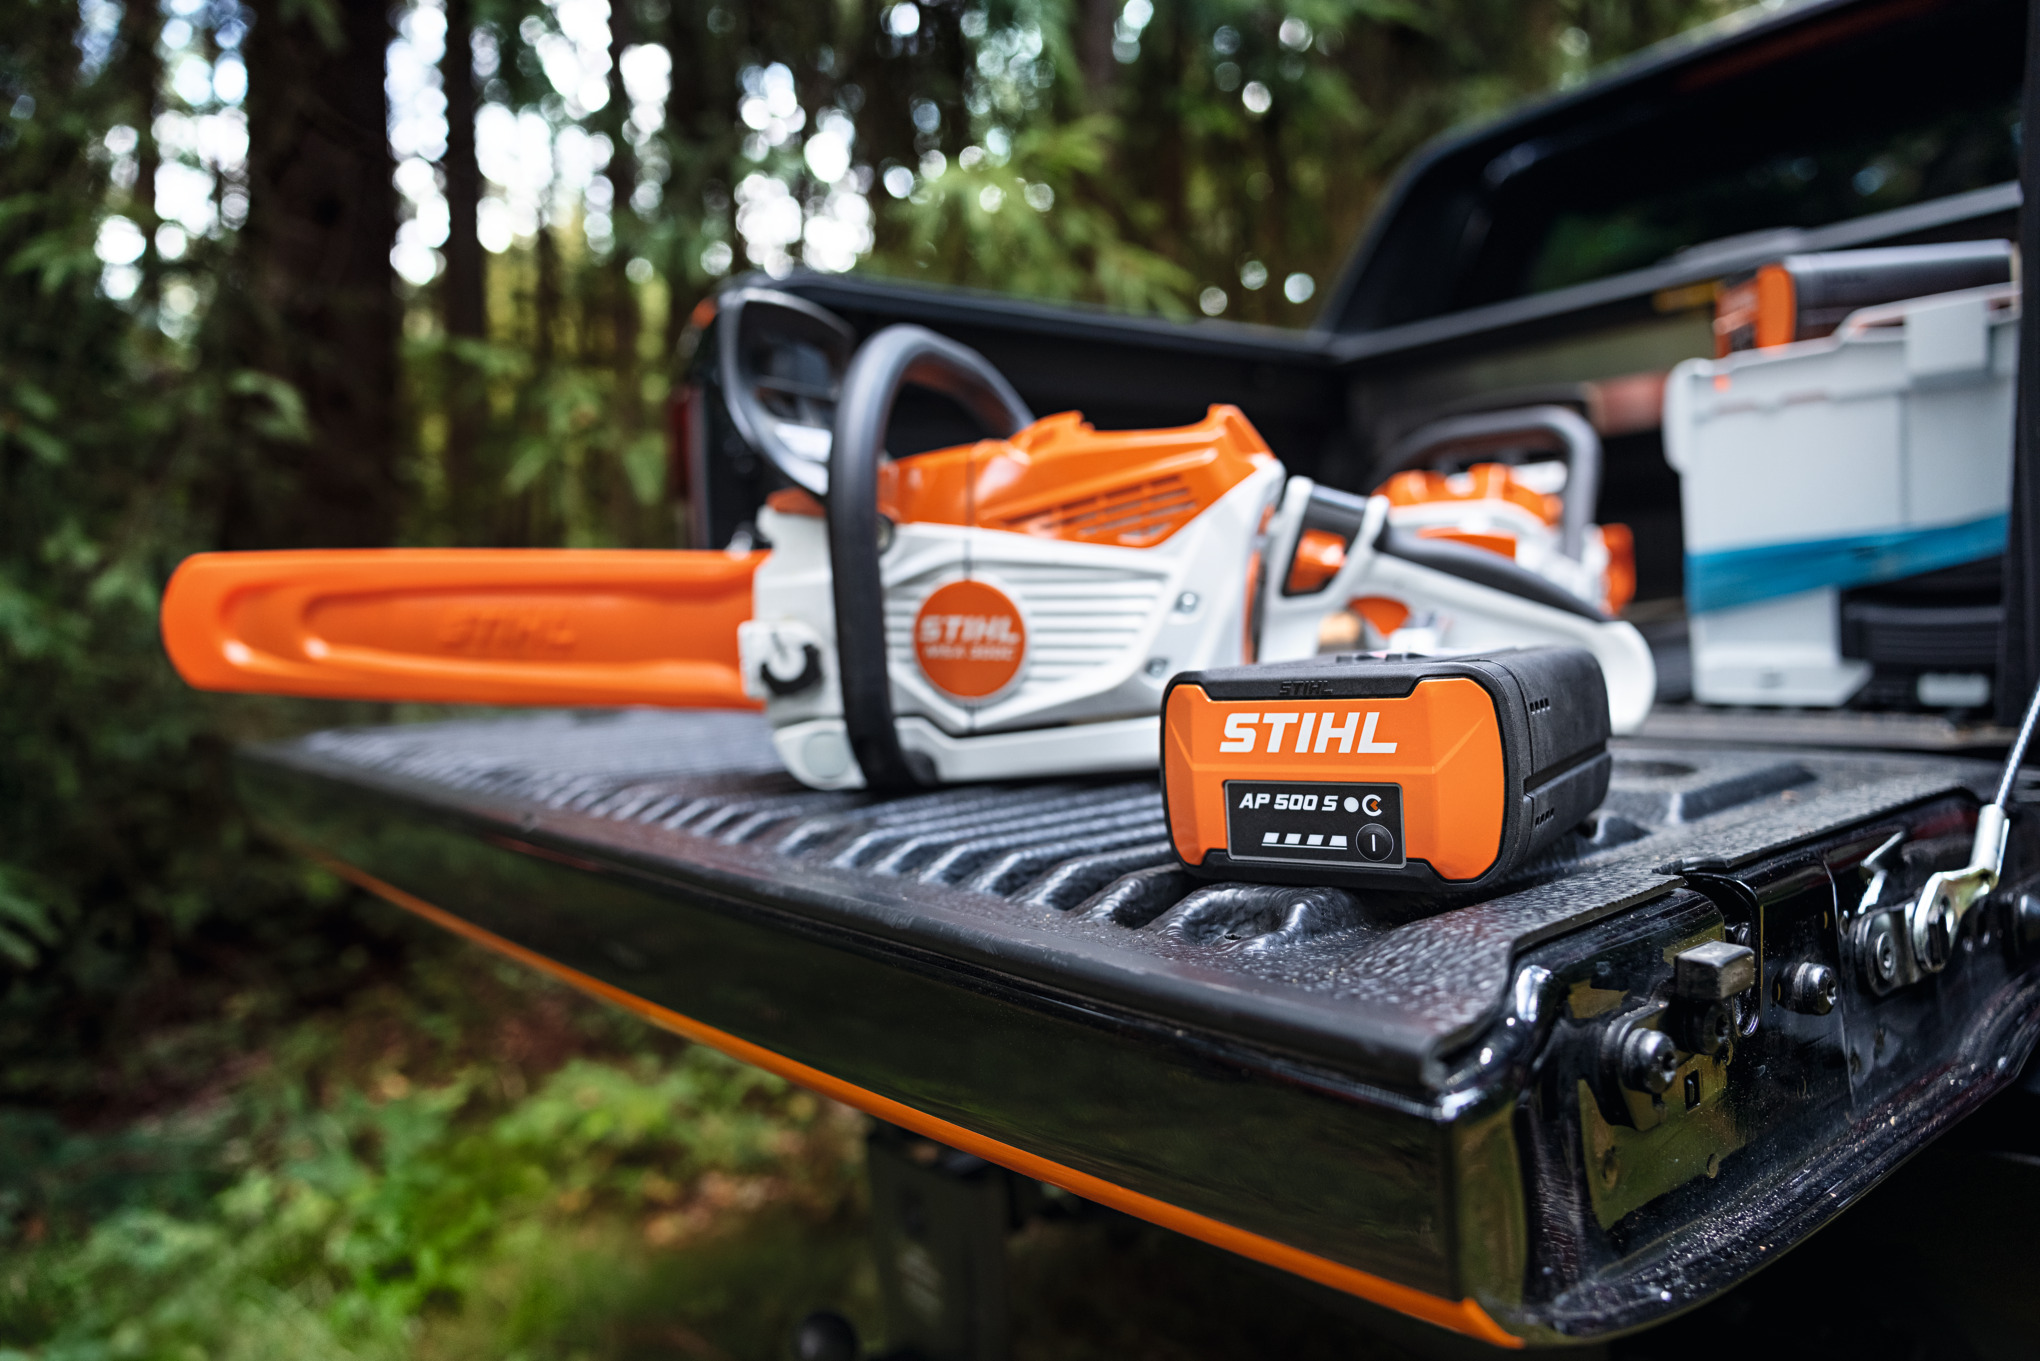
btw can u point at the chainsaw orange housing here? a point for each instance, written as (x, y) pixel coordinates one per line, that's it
(1061, 479)
(1447, 758)
(1481, 482)
(1319, 555)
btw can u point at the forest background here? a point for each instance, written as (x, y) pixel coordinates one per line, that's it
(323, 273)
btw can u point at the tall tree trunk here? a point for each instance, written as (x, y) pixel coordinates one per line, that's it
(141, 27)
(463, 299)
(546, 303)
(1095, 19)
(317, 307)
(624, 322)
(1284, 232)
(700, 75)
(623, 168)
(1172, 128)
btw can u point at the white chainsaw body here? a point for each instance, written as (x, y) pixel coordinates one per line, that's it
(1106, 627)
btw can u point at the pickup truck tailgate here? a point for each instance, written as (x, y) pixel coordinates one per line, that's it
(1405, 1107)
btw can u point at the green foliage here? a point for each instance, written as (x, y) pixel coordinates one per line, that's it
(375, 1180)
(1222, 144)
(119, 453)
(570, 454)
(1223, 147)
(962, 231)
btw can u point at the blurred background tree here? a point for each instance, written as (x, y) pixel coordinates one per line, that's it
(292, 273)
(1211, 158)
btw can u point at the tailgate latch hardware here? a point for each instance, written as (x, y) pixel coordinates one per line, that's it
(1647, 1061)
(1707, 979)
(1947, 897)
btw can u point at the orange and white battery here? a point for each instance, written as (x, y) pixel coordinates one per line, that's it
(1397, 772)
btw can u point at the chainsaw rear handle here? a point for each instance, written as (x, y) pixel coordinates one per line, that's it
(777, 413)
(472, 626)
(1498, 430)
(890, 360)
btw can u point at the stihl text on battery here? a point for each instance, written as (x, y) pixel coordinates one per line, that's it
(1315, 733)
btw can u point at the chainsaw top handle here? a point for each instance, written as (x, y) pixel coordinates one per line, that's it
(1500, 431)
(890, 360)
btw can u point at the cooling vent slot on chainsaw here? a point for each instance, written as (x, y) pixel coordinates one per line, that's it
(1133, 516)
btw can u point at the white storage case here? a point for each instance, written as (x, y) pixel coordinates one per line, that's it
(1879, 452)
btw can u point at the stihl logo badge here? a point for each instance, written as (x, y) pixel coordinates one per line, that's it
(969, 639)
(973, 636)
(1315, 734)
(505, 631)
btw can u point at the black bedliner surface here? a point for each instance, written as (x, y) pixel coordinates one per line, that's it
(1070, 884)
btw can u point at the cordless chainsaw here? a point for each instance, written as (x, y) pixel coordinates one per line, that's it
(1009, 608)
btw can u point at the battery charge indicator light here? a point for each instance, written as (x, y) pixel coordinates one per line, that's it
(1305, 824)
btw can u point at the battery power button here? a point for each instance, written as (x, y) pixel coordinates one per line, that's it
(1375, 842)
